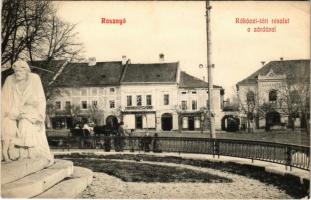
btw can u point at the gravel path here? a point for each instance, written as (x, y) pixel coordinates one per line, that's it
(105, 186)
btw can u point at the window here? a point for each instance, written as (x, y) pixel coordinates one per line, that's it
(111, 104)
(67, 105)
(138, 100)
(184, 105)
(83, 91)
(183, 92)
(272, 95)
(129, 100)
(111, 90)
(250, 97)
(84, 104)
(94, 91)
(194, 104)
(102, 91)
(193, 92)
(58, 105)
(166, 99)
(94, 104)
(148, 100)
(76, 92)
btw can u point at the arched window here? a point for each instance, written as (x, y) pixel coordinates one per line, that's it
(250, 97)
(273, 95)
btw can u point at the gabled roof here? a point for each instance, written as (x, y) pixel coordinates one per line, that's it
(80, 74)
(295, 70)
(46, 70)
(150, 73)
(188, 81)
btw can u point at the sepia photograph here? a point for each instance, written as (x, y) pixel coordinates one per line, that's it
(155, 99)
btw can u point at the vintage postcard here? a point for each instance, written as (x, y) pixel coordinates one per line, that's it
(155, 99)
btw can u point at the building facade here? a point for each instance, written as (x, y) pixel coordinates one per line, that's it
(276, 96)
(193, 103)
(149, 96)
(87, 92)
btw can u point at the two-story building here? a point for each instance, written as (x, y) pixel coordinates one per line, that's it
(276, 95)
(149, 96)
(193, 103)
(88, 90)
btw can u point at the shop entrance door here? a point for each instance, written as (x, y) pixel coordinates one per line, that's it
(139, 121)
(191, 123)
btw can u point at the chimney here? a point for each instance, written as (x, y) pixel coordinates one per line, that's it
(124, 60)
(128, 61)
(92, 61)
(161, 57)
(263, 62)
(203, 78)
(281, 59)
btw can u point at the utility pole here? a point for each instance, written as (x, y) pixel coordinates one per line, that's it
(209, 71)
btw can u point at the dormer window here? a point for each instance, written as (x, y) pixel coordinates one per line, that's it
(111, 90)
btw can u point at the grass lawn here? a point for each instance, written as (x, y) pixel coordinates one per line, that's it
(148, 173)
(141, 172)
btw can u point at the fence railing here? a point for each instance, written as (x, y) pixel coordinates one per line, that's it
(286, 154)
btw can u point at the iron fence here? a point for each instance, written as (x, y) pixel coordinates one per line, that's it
(286, 154)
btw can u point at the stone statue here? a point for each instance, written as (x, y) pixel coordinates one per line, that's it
(23, 114)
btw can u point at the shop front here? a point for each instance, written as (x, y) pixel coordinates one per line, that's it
(191, 121)
(139, 120)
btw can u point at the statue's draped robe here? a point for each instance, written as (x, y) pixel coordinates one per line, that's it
(31, 104)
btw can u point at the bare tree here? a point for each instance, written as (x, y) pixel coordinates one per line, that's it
(178, 110)
(95, 113)
(30, 29)
(295, 101)
(50, 113)
(73, 111)
(59, 41)
(248, 105)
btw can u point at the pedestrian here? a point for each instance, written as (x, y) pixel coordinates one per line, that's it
(156, 144)
(119, 139)
(147, 142)
(131, 142)
(251, 126)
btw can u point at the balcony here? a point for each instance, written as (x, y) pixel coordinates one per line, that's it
(138, 107)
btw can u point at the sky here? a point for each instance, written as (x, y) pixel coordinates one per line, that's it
(178, 30)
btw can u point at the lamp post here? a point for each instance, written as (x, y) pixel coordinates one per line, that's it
(209, 70)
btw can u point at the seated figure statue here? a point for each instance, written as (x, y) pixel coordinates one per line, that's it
(23, 114)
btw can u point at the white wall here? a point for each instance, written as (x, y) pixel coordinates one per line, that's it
(157, 92)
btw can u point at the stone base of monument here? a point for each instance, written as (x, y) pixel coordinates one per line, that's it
(60, 180)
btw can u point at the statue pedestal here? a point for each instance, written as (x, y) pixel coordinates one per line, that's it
(11, 171)
(29, 178)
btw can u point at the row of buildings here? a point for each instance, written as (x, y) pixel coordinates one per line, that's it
(156, 96)
(159, 96)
